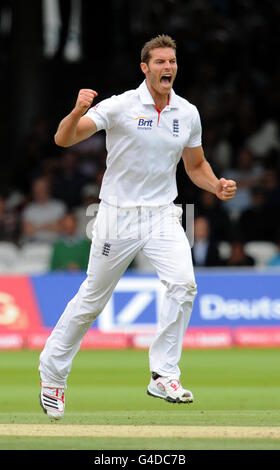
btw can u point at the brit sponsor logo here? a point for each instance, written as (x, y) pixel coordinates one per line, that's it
(144, 123)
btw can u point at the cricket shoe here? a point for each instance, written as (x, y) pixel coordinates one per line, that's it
(168, 389)
(52, 401)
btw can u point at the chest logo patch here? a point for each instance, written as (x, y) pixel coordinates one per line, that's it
(175, 127)
(144, 123)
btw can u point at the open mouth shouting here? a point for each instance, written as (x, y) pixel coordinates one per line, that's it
(166, 79)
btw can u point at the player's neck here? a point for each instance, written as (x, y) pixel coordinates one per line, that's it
(160, 100)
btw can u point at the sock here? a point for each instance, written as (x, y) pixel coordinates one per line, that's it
(155, 375)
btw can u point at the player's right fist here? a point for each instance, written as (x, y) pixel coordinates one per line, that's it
(84, 100)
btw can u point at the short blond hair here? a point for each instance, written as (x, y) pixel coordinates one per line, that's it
(162, 40)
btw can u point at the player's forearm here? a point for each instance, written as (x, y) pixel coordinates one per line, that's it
(203, 177)
(66, 134)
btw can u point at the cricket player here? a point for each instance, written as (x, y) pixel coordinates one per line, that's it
(148, 130)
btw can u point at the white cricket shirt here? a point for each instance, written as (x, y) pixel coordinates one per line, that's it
(144, 146)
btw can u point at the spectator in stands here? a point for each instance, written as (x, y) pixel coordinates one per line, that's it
(247, 174)
(85, 214)
(36, 147)
(271, 185)
(41, 218)
(9, 222)
(258, 222)
(70, 252)
(91, 155)
(205, 251)
(237, 256)
(265, 139)
(69, 181)
(209, 206)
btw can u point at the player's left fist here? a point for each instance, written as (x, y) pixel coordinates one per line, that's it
(226, 189)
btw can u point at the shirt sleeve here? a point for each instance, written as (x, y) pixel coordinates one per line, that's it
(196, 131)
(105, 114)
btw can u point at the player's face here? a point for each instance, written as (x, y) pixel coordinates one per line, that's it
(161, 70)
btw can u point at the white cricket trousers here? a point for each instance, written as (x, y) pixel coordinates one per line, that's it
(118, 235)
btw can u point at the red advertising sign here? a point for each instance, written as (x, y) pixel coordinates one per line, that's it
(19, 312)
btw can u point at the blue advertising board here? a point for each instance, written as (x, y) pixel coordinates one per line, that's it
(241, 298)
(225, 298)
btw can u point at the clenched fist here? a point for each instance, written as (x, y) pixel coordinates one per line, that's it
(226, 189)
(84, 100)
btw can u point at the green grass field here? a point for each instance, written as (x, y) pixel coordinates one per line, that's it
(232, 388)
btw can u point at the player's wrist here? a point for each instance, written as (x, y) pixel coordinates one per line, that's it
(215, 187)
(77, 113)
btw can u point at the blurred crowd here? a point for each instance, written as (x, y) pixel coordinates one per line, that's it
(56, 199)
(227, 68)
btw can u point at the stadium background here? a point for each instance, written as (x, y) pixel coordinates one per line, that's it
(228, 67)
(51, 49)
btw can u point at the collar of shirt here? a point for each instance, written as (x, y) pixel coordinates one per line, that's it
(146, 97)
